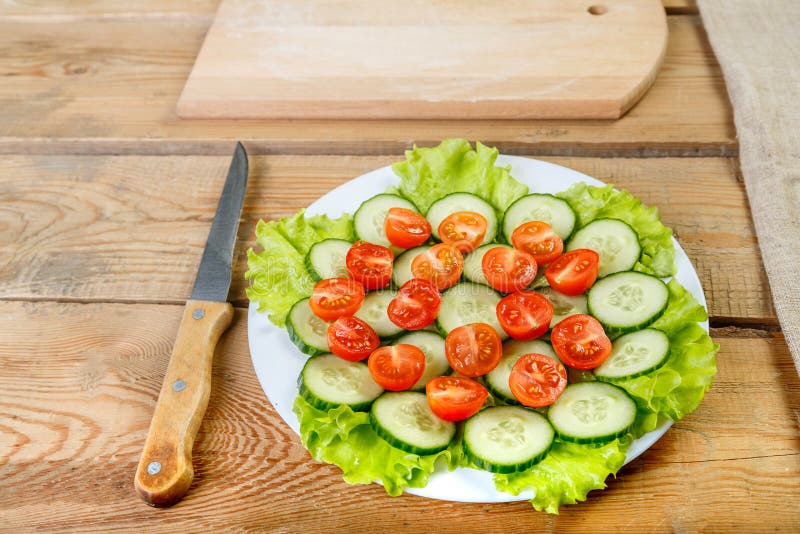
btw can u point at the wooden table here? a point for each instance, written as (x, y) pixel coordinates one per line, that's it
(106, 199)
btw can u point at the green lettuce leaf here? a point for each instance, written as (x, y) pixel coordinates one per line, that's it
(567, 474)
(277, 274)
(428, 174)
(677, 387)
(592, 202)
(345, 438)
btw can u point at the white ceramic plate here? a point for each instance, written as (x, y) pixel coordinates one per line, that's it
(278, 362)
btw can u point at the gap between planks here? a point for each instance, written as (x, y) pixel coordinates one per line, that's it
(259, 147)
(718, 327)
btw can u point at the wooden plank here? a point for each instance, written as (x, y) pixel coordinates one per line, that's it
(132, 229)
(19, 9)
(65, 10)
(79, 383)
(111, 86)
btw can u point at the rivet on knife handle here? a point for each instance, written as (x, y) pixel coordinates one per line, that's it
(165, 469)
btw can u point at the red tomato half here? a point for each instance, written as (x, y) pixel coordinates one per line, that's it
(473, 349)
(508, 269)
(335, 297)
(573, 272)
(464, 229)
(352, 339)
(580, 342)
(538, 239)
(537, 380)
(396, 367)
(441, 264)
(416, 304)
(455, 398)
(370, 264)
(406, 228)
(525, 314)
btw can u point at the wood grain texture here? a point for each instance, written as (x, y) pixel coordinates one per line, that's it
(132, 229)
(165, 469)
(320, 59)
(28, 9)
(80, 381)
(110, 86)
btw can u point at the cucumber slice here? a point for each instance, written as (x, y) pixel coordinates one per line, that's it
(497, 379)
(373, 312)
(507, 439)
(454, 202)
(615, 242)
(592, 412)
(473, 263)
(405, 421)
(540, 207)
(629, 301)
(432, 345)
(468, 303)
(327, 381)
(326, 259)
(634, 354)
(563, 305)
(401, 270)
(308, 332)
(370, 217)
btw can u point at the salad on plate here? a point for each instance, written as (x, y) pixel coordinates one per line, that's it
(458, 321)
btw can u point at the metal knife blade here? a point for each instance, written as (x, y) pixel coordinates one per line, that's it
(165, 469)
(214, 274)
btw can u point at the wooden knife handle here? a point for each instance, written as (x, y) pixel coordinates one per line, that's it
(165, 468)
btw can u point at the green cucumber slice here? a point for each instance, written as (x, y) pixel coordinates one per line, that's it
(507, 439)
(592, 412)
(615, 241)
(370, 217)
(626, 302)
(405, 421)
(328, 381)
(454, 202)
(497, 379)
(468, 303)
(634, 354)
(326, 259)
(540, 207)
(308, 332)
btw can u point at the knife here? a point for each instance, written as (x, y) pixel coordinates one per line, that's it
(165, 469)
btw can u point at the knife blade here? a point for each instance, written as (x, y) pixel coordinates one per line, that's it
(165, 469)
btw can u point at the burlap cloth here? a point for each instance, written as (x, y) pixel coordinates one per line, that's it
(757, 43)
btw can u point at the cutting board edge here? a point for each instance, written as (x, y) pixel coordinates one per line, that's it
(411, 109)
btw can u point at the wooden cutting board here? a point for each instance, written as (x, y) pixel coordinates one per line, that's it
(426, 59)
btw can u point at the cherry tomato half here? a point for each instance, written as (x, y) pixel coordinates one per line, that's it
(370, 264)
(455, 398)
(537, 380)
(538, 239)
(441, 264)
(473, 349)
(463, 229)
(352, 339)
(335, 297)
(406, 228)
(580, 341)
(416, 304)
(525, 314)
(508, 269)
(573, 272)
(396, 367)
